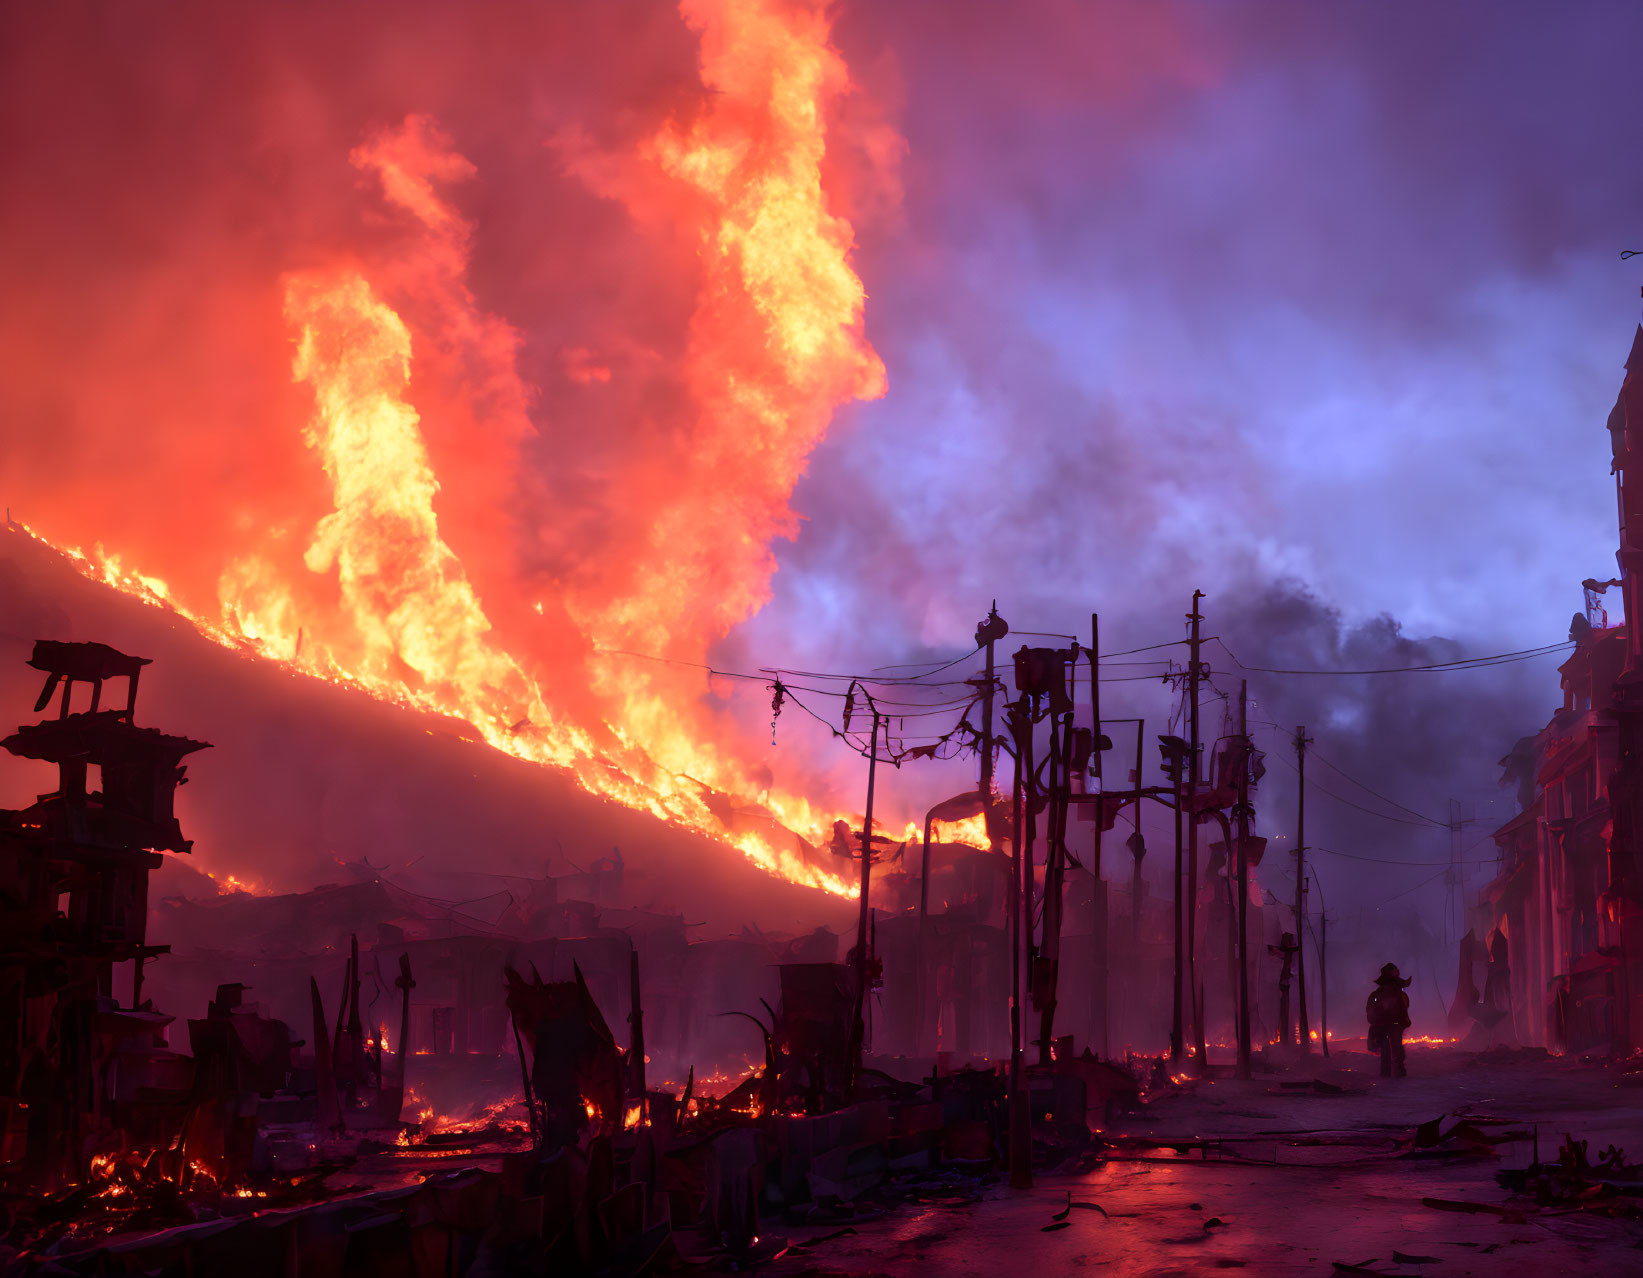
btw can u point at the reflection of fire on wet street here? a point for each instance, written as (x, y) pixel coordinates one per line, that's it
(1315, 1170)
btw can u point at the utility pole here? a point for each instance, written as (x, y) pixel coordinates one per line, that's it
(1058, 831)
(1323, 978)
(1175, 762)
(1046, 990)
(858, 1029)
(1461, 907)
(1138, 844)
(988, 633)
(1323, 963)
(1098, 887)
(1243, 879)
(1021, 1170)
(1304, 1026)
(1044, 973)
(1194, 673)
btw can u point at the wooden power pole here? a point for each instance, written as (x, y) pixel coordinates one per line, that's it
(1243, 880)
(1138, 844)
(1304, 1026)
(1194, 673)
(1323, 979)
(858, 1029)
(1020, 1112)
(1175, 763)
(988, 633)
(1098, 886)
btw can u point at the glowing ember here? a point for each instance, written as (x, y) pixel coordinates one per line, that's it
(971, 831)
(506, 1115)
(127, 1180)
(234, 883)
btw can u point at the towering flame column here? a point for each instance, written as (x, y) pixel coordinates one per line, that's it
(777, 339)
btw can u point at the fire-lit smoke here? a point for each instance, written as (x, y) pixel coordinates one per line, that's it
(406, 380)
(402, 602)
(776, 341)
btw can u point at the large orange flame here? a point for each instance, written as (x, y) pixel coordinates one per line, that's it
(777, 341)
(374, 594)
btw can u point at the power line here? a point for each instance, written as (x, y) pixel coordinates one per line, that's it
(1380, 860)
(1366, 789)
(855, 678)
(1398, 895)
(913, 665)
(1289, 737)
(1424, 822)
(1464, 663)
(1282, 758)
(1151, 647)
(765, 677)
(890, 755)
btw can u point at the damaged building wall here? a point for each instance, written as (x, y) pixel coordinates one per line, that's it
(77, 1067)
(1564, 917)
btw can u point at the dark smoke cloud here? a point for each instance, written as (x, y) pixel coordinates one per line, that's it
(1393, 755)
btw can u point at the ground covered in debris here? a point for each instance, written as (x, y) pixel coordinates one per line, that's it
(1314, 1169)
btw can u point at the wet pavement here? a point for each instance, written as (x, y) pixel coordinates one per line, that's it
(1297, 1184)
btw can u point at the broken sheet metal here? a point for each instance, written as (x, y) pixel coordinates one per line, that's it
(576, 1070)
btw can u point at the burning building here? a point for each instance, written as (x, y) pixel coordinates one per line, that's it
(1559, 941)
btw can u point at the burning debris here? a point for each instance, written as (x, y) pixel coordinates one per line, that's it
(118, 1145)
(436, 1034)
